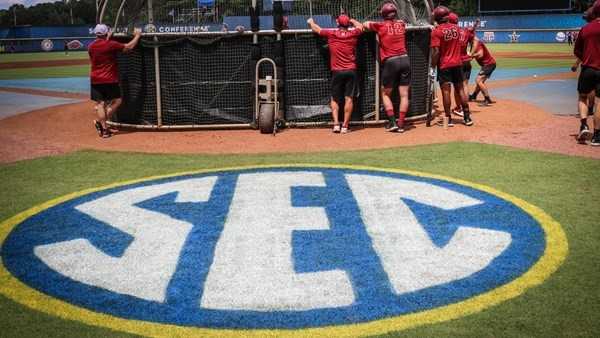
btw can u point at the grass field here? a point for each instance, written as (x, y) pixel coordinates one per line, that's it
(45, 72)
(567, 304)
(42, 56)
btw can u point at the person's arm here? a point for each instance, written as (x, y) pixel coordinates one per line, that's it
(357, 25)
(367, 25)
(476, 52)
(137, 34)
(435, 48)
(435, 57)
(578, 50)
(576, 65)
(313, 25)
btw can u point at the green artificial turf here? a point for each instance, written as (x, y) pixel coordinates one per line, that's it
(531, 47)
(45, 72)
(567, 304)
(42, 56)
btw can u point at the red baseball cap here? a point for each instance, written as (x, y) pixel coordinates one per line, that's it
(389, 11)
(453, 18)
(440, 13)
(343, 20)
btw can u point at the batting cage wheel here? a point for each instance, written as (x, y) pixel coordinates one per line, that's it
(266, 118)
(192, 69)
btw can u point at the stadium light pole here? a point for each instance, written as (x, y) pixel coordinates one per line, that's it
(15, 15)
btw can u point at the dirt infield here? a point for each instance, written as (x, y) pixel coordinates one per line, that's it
(68, 128)
(40, 64)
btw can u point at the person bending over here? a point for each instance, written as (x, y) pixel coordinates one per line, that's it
(488, 64)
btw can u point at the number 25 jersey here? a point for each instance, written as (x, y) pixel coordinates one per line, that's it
(446, 37)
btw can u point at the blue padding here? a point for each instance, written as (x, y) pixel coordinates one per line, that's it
(206, 3)
(553, 21)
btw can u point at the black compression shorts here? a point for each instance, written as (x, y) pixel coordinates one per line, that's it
(396, 72)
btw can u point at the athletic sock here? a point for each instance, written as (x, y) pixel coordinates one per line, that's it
(391, 116)
(402, 118)
(584, 123)
(475, 93)
(487, 99)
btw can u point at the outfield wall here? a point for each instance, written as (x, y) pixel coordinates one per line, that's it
(525, 28)
(498, 29)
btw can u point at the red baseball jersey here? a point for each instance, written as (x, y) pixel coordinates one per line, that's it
(446, 37)
(392, 38)
(486, 59)
(466, 37)
(587, 46)
(342, 47)
(103, 57)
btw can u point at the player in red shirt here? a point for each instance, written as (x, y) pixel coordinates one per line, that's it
(587, 49)
(588, 16)
(344, 83)
(467, 36)
(488, 64)
(446, 56)
(395, 63)
(104, 76)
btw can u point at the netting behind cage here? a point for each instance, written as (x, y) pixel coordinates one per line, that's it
(207, 78)
(212, 15)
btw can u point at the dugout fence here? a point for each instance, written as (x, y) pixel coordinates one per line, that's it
(201, 77)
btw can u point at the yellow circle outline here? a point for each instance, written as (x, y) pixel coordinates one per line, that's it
(554, 255)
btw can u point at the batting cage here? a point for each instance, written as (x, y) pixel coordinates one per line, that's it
(251, 63)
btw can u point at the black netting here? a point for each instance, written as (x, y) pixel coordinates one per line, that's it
(207, 82)
(211, 80)
(139, 87)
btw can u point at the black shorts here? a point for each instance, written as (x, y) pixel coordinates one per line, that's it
(105, 92)
(589, 80)
(487, 70)
(452, 75)
(396, 72)
(344, 84)
(467, 68)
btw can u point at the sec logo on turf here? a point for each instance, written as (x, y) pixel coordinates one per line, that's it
(279, 248)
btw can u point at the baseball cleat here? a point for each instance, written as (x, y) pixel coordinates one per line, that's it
(468, 121)
(458, 112)
(596, 139)
(99, 127)
(584, 133)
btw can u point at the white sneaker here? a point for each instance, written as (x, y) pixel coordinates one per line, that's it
(336, 129)
(345, 130)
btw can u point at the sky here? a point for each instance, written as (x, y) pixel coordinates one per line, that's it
(5, 4)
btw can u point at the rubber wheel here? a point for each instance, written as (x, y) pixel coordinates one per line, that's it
(266, 118)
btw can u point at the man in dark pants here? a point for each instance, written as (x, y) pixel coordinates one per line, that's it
(104, 75)
(446, 56)
(587, 49)
(342, 47)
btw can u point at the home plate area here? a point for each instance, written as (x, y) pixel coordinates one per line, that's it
(284, 250)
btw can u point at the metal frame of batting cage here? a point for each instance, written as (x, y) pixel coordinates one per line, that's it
(376, 109)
